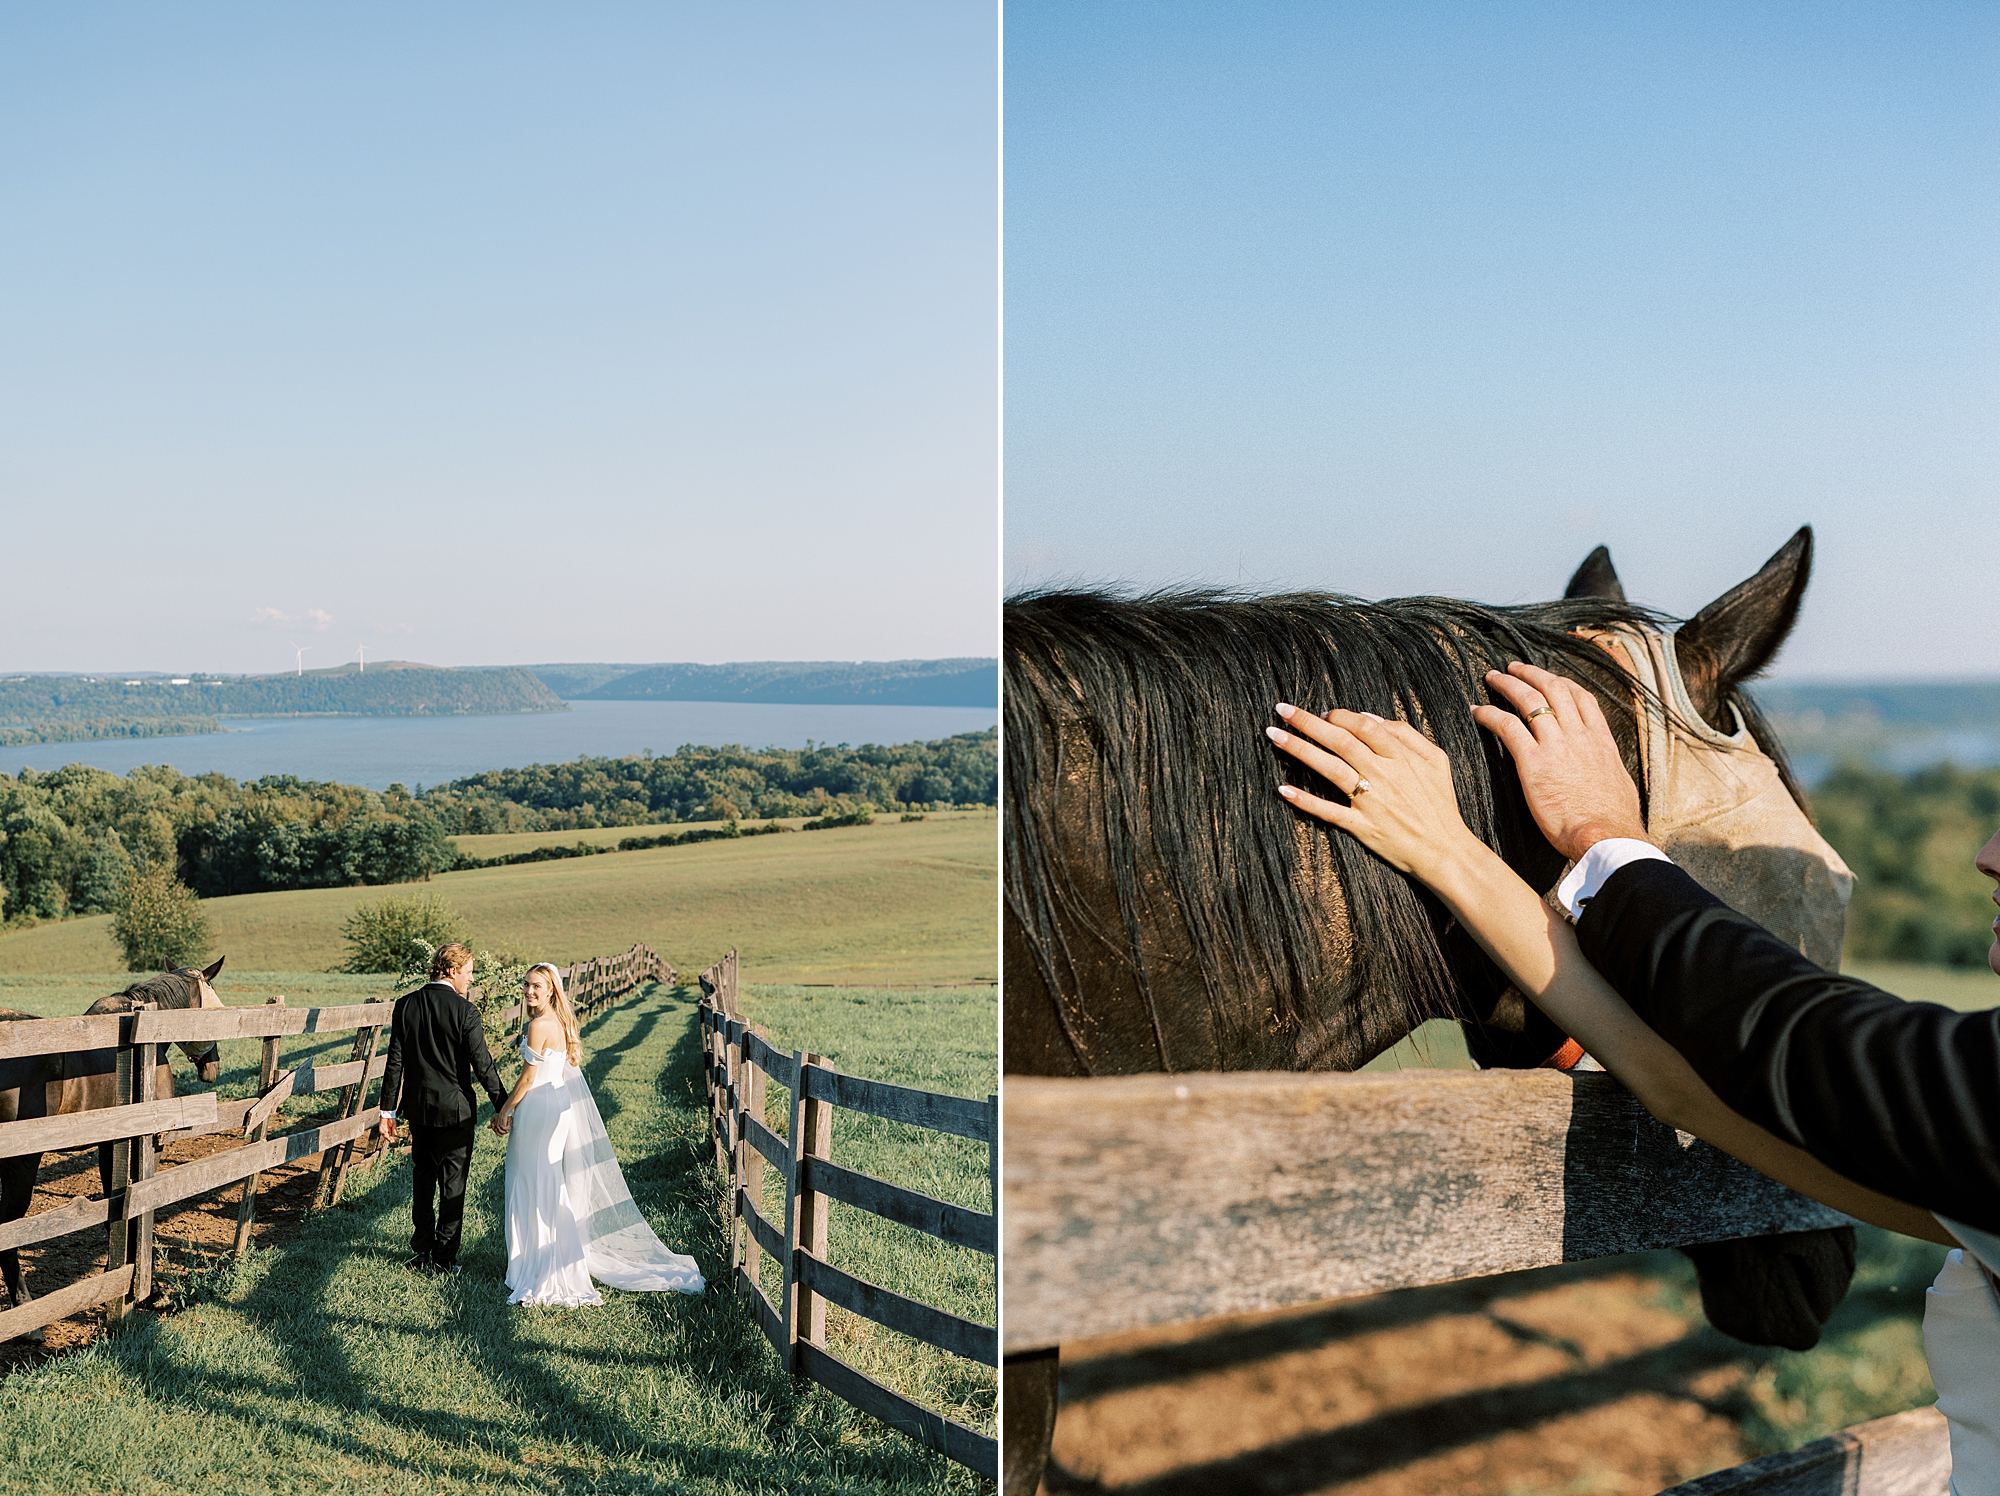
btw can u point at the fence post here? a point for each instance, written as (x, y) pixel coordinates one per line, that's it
(788, 1278)
(146, 1060)
(816, 1136)
(749, 1162)
(993, 1155)
(716, 1053)
(267, 1077)
(360, 1105)
(364, 1046)
(118, 1236)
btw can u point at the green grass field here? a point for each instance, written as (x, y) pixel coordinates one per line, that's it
(935, 1041)
(322, 1365)
(507, 843)
(893, 902)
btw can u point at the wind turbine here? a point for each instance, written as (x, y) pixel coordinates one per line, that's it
(302, 655)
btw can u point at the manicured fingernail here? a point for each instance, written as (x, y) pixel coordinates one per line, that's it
(1277, 735)
(1369, 717)
(1288, 792)
(1285, 710)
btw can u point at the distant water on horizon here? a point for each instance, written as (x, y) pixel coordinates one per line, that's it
(379, 751)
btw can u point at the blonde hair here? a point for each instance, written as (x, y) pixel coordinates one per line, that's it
(564, 1013)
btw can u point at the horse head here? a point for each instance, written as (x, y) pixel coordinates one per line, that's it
(181, 987)
(1727, 809)
(1721, 800)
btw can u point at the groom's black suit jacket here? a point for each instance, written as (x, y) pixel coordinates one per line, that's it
(437, 1045)
(1902, 1097)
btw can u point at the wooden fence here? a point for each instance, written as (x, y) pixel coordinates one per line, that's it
(602, 979)
(1151, 1200)
(739, 1059)
(142, 1124)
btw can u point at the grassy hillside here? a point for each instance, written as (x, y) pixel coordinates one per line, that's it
(893, 902)
(510, 843)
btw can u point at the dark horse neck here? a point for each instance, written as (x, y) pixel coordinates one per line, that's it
(1164, 908)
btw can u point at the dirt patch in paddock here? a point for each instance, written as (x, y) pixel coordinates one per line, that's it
(188, 1231)
(1574, 1380)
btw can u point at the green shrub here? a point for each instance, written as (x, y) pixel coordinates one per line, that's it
(384, 936)
(159, 922)
(864, 816)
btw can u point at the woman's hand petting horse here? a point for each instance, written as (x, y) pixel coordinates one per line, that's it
(1402, 805)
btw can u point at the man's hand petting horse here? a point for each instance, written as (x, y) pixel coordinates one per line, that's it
(1571, 771)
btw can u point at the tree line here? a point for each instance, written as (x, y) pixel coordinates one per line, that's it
(1910, 839)
(72, 841)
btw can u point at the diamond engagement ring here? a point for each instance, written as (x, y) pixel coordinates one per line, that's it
(1361, 787)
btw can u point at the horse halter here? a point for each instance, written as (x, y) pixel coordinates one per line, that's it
(1717, 805)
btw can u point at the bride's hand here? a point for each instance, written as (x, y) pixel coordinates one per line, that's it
(1402, 806)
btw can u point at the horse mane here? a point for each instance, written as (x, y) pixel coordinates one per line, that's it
(1169, 690)
(166, 989)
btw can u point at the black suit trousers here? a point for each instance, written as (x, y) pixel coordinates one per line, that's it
(441, 1156)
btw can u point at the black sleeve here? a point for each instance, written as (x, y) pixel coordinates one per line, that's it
(483, 1068)
(1902, 1097)
(392, 1073)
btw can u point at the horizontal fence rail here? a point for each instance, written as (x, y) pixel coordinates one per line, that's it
(1151, 1200)
(140, 1125)
(738, 1061)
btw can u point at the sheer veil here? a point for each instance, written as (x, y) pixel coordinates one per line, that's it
(620, 1249)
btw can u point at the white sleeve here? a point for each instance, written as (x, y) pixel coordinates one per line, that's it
(1962, 1344)
(1580, 885)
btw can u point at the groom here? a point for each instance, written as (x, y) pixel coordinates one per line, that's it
(437, 1045)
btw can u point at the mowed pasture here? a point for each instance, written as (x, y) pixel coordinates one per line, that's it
(322, 1365)
(898, 901)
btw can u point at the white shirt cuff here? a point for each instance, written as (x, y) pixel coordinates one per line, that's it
(1580, 885)
(388, 1116)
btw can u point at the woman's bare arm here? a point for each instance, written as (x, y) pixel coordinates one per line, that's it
(1404, 809)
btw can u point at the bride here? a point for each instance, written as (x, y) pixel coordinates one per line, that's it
(570, 1217)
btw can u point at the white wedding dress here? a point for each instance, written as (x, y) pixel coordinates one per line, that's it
(570, 1217)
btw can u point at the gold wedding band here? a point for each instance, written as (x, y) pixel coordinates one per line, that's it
(1541, 711)
(1361, 787)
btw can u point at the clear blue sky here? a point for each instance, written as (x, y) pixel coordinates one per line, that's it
(1406, 298)
(496, 333)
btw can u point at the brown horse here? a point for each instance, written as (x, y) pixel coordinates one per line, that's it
(1166, 911)
(54, 1085)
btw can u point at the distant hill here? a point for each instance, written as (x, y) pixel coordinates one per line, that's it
(953, 682)
(1894, 704)
(392, 689)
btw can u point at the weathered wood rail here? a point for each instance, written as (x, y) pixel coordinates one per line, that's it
(739, 1060)
(1152, 1200)
(141, 1125)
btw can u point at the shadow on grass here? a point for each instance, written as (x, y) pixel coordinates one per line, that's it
(358, 1337)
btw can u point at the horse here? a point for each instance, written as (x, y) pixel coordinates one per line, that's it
(1164, 910)
(53, 1085)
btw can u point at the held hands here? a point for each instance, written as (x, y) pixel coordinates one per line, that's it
(502, 1123)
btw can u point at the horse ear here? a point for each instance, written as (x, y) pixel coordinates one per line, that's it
(208, 973)
(1738, 634)
(1595, 578)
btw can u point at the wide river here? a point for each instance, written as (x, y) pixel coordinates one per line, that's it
(380, 751)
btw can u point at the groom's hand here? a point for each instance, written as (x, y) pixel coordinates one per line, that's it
(388, 1129)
